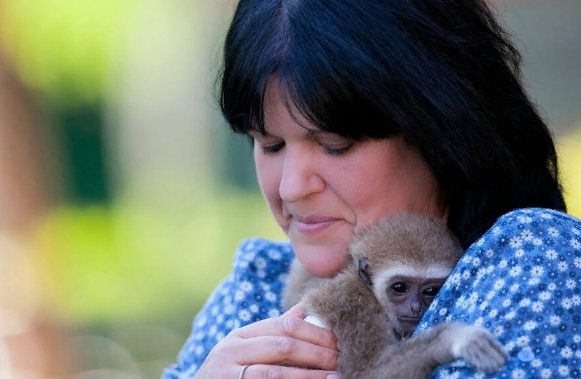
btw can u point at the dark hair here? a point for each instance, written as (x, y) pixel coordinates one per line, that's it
(441, 73)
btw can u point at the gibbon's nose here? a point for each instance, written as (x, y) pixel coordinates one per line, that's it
(415, 308)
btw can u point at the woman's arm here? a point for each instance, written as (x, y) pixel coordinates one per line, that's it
(521, 281)
(241, 324)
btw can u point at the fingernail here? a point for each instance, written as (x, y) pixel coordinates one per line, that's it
(333, 376)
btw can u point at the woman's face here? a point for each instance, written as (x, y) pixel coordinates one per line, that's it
(322, 188)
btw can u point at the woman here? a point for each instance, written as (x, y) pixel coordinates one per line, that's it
(360, 109)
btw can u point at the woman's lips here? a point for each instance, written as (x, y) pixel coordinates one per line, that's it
(312, 224)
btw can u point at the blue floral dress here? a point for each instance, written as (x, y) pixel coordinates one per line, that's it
(521, 281)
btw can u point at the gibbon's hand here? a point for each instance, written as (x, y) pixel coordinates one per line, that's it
(280, 347)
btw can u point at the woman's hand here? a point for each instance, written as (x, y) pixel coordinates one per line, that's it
(281, 347)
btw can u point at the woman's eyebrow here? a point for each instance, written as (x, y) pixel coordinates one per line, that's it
(255, 131)
(316, 132)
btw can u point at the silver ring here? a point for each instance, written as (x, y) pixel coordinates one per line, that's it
(242, 371)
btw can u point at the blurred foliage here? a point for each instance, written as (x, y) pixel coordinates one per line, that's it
(83, 153)
(569, 149)
(129, 262)
(64, 48)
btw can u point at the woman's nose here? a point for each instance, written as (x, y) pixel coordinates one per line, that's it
(300, 177)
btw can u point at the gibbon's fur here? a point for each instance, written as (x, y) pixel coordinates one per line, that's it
(356, 306)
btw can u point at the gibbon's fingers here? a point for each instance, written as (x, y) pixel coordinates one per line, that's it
(484, 353)
(490, 355)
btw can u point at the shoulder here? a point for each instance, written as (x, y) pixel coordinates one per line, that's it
(525, 250)
(258, 274)
(265, 259)
(520, 281)
(548, 220)
(527, 234)
(254, 288)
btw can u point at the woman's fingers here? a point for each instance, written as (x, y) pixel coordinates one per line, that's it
(281, 347)
(296, 311)
(287, 351)
(268, 372)
(291, 324)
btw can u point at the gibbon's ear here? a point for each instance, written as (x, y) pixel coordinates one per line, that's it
(364, 273)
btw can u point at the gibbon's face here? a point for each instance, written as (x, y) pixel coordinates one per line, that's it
(408, 298)
(322, 187)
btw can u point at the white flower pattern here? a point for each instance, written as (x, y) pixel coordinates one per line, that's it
(539, 312)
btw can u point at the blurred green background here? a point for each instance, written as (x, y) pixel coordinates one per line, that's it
(144, 195)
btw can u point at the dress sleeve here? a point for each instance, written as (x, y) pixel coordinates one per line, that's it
(521, 282)
(250, 293)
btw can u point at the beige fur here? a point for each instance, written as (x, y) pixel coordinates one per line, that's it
(298, 283)
(361, 319)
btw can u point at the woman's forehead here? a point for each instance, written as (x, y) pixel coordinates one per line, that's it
(279, 108)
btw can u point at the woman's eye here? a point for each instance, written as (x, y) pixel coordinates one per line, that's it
(272, 148)
(336, 145)
(337, 151)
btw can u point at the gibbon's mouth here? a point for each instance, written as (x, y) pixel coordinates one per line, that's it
(402, 334)
(408, 322)
(407, 325)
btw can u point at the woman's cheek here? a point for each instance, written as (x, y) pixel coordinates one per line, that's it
(269, 181)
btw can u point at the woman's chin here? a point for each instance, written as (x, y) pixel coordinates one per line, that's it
(321, 261)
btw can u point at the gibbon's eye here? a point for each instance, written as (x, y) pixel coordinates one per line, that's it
(431, 291)
(399, 287)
